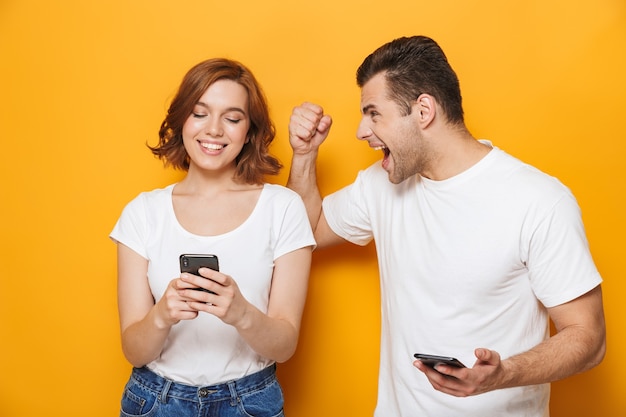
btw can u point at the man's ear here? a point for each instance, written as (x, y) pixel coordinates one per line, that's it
(425, 110)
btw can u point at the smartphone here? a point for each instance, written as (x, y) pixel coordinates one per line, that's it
(191, 263)
(432, 360)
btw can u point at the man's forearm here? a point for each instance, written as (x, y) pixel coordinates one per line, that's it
(579, 345)
(303, 180)
(563, 355)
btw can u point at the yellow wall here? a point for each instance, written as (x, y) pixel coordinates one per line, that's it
(84, 85)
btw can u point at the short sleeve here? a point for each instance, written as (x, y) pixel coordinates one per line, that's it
(130, 228)
(560, 264)
(347, 214)
(294, 231)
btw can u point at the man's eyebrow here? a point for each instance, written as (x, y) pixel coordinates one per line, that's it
(367, 108)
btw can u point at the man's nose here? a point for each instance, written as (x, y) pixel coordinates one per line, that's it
(363, 131)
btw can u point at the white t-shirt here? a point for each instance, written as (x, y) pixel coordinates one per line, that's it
(206, 351)
(471, 261)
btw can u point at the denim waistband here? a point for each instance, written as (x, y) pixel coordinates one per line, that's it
(230, 389)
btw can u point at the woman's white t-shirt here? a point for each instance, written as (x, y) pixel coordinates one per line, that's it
(206, 351)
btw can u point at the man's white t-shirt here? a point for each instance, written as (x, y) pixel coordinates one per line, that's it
(471, 261)
(205, 350)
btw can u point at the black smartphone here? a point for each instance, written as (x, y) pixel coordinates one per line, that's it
(191, 263)
(432, 360)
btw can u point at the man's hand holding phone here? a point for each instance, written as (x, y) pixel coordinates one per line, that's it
(434, 360)
(450, 376)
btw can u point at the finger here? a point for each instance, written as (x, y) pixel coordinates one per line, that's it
(302, 127)
(448, 389)
(186, 281)
(308, 107)
(172, 309)
(197, 295)
(208, 273)
(196, 282)
(185, 306)
(447, 383)
(208, 304)
(325, 124)
(309, 111)
(419, 365)
(201, 305)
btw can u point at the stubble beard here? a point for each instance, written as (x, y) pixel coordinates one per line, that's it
(408, 164)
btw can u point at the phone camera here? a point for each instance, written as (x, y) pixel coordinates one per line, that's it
(185, 262)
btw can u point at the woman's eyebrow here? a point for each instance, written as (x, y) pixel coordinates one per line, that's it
(229, 109)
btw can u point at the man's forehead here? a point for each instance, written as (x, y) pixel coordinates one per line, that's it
(374, 94)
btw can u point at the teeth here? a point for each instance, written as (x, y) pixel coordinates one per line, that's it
(380, 148)
(212, 146)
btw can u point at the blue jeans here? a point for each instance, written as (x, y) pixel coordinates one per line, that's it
(150, 395)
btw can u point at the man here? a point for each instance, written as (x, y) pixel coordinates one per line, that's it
(477, 250)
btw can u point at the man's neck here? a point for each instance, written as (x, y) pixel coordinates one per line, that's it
(453, 154)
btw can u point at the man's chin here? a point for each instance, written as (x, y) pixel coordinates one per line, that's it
(393, 176)
(394, 179)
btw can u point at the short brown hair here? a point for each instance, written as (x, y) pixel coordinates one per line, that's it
(413, 66)
(254, 160)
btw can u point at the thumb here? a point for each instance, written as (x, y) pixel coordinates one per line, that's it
(486, 355)
(324, 124)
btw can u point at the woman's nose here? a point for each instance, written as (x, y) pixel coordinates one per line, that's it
(213, 128)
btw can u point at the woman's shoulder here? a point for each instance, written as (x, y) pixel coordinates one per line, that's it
(279, 198)
(279, 191)
(155, 197)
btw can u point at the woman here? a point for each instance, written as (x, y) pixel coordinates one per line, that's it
(214, 350)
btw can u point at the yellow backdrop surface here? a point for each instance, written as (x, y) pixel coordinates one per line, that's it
(85, 84)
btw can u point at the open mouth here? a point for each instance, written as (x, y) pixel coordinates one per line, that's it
(386, 153)
(382, 148)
